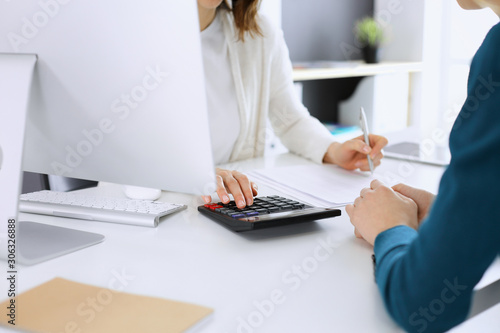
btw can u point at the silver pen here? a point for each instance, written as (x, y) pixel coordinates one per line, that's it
(364, 128)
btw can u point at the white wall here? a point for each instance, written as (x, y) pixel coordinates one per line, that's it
(441, 35)
(453, 35)
(434, 22)
(403, 28)
(444, 37)
(464, 33)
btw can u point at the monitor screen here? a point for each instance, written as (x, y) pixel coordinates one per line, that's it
(118, 92)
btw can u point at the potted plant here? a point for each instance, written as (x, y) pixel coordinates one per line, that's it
(370, 35)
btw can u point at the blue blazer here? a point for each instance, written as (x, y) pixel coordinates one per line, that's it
(426, 278)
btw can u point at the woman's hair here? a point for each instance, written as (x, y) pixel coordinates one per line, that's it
(245, 16)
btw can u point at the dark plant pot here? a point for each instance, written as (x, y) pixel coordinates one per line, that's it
(370, 54)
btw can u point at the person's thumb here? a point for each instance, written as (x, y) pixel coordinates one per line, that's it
(404, 189)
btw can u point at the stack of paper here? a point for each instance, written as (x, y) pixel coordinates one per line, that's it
(318, 185)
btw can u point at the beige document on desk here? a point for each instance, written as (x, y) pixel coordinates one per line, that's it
(65, 306)
(319, 185)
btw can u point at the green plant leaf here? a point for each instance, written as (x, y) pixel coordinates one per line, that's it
(368, 32)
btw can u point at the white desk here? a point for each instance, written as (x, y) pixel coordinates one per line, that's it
(193, 259)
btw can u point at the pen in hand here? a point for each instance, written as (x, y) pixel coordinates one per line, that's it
(364, 128)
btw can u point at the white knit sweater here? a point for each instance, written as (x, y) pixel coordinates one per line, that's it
(264, 87)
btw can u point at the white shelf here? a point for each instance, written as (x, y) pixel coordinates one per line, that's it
(334, 70)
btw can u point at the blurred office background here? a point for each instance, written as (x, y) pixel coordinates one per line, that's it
(438, 34)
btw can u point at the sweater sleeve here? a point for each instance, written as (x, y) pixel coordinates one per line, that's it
(427, 279)
(301, 133)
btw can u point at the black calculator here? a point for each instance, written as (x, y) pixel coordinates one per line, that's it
(266, 212)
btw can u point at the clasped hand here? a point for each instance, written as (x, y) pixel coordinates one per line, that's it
(380, 208)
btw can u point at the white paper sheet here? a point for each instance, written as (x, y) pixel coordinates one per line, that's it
(319, 185)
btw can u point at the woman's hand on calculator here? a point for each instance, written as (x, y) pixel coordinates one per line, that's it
(235, 183)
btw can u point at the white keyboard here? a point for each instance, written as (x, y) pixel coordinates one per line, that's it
(108, 209)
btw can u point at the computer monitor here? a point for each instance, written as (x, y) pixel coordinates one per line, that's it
(117, 92)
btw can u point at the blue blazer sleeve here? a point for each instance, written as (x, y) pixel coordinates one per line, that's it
(427, 278)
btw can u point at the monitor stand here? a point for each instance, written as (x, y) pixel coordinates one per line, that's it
(141, 193)
(29, 242)
(40, 242)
